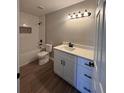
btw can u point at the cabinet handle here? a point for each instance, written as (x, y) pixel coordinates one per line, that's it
(87, 76)
(64, 63)
(61, 62)
(88, 90)
(86, 64)
(91, 64)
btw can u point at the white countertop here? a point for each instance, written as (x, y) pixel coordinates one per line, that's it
(81, 52)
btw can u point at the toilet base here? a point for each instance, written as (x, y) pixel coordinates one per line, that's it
(44, 60)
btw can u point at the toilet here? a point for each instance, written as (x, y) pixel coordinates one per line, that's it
(43, 56)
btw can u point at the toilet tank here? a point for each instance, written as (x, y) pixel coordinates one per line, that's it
(49, 47)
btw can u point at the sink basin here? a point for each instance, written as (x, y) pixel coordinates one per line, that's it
(69, 48)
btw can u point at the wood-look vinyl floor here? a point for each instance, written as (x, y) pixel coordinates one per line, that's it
(41, 79)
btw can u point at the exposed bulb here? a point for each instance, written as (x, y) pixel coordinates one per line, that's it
(85, 13)
(74, 16)
(69, 16)
(79, 14)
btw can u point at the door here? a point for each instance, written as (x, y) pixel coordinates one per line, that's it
(102, 74)
(58, 66)
(100, 51)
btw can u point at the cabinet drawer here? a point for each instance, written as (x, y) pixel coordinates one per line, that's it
(84, 63)
(57, 56)
(84, 76)
(84, 79)
(64, 55)
(58, 53)
(69, 57)
(84, 87)
(82, 70)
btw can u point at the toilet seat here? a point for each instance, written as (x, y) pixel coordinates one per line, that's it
(43, 53)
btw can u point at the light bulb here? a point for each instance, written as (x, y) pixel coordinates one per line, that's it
(74, 16)
(69, 17)
(79, 14)
(85, 13)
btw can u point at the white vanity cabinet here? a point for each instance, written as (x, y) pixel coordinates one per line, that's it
(84, 75)
(75, 67)
(65, 66)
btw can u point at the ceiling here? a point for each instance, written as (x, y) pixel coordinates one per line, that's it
(31, 6)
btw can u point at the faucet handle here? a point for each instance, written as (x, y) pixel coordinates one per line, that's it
(70, 44)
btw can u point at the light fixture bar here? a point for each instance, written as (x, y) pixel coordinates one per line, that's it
(79, 15)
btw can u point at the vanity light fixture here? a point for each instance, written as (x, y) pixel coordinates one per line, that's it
(79, 15)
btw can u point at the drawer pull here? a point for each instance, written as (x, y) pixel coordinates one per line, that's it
(88, 90)
(86, 64)
(91, 64)
(87, 76)
(64, 63)
(61, 62)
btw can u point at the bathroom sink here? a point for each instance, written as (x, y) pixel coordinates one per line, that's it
(68, 48)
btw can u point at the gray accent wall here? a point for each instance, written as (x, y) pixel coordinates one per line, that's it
(59, 28)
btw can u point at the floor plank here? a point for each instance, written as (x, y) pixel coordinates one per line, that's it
(42, 79)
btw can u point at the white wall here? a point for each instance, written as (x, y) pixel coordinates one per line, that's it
(28, 42)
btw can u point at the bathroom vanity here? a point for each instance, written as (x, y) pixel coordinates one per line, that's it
(75, 65)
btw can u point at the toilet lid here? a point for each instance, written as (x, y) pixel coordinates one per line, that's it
(43, 53)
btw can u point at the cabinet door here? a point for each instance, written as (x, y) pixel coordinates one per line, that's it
(58, 67)
(70, 72)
